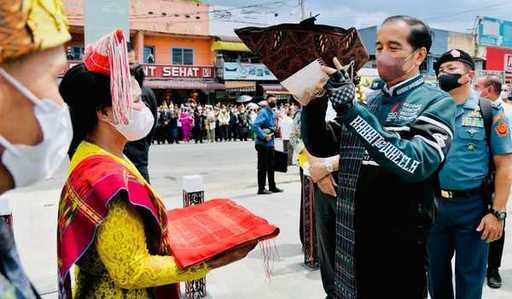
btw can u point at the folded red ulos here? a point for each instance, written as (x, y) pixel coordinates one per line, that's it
(201, 232)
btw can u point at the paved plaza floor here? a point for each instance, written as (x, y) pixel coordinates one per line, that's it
(229, 170)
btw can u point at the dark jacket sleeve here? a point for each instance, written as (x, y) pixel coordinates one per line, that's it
(149, 98)
(320, 138)
(416, 157)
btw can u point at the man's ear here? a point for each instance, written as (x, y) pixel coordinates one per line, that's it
(421, 56)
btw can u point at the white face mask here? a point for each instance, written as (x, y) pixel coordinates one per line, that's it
(139, 126)
(29, 164)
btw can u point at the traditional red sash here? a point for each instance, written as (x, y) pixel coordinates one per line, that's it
(84, 205)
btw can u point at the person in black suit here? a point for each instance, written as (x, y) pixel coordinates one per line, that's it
(137, 151)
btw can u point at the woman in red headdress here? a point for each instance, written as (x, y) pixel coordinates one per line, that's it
(112, 225)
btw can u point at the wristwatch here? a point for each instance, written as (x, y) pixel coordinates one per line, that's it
(328, 166)
(500, 214)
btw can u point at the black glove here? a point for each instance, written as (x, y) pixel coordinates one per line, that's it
(341, 91)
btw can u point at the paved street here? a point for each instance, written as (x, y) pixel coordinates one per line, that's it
(229, 170)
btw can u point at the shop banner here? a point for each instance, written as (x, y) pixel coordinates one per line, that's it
(247, 71)
(179, 71)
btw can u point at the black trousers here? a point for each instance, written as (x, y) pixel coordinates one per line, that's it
(224, 131)
(218, 133)
(265, 166)
(301, 215)
(325, 223)
(198, 135)
(391, 262)
(234, 132)
(288, 148)
(496, 253)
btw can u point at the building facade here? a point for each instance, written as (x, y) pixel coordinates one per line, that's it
(171, 39)
(243, 73)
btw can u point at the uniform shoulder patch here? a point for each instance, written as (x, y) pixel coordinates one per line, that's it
(502, 129)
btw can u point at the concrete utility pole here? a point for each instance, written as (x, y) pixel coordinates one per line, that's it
(302, 10)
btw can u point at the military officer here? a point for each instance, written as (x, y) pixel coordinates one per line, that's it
(466, 222)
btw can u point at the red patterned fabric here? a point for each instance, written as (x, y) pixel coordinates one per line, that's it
(84, 205)
(201, 232)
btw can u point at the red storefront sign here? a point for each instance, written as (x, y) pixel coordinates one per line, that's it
(179, 71)
(495, 58)
(170, 71)
(508, 63)
(500, 59)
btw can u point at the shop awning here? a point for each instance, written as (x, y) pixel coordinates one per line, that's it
(274, 88)
(286, 93)
(177, 84)
(240, 85)
(230, 46)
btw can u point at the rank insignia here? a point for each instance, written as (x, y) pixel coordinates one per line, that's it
(502, 129)
(471, 147)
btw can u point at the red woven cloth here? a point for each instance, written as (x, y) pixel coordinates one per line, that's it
(201, 232)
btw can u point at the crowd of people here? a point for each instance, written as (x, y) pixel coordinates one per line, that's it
(200, 123)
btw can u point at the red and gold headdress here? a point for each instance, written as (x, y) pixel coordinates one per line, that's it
(109, 56)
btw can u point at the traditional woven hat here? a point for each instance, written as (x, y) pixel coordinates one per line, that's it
(287, 48)
(28, 26)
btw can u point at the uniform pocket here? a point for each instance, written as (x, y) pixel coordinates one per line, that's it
(471, 133)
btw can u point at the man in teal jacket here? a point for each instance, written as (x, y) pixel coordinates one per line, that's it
(390, 150)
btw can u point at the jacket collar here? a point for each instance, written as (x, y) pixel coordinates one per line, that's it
(404, 86)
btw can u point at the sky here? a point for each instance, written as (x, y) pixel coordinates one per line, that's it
(456, 15)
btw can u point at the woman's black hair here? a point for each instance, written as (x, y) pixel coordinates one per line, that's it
(421, 34)
(85, 93)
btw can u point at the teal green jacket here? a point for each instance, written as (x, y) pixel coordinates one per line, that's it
(408, 136)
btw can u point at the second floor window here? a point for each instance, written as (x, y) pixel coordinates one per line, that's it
(75, 53)
(182, 56)
(149, 54)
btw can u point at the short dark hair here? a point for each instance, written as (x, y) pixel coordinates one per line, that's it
(270, 96)
(495, 82)
(421, 34)
(137, 71)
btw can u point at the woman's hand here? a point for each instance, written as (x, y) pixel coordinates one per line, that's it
(232, 255)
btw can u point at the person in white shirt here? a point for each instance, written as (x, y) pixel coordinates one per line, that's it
(286, 126)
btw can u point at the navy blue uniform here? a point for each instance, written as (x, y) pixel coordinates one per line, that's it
(461, 206)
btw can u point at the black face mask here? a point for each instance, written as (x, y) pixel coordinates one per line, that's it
(272, 104)
(449, 82)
